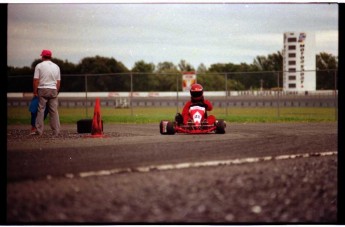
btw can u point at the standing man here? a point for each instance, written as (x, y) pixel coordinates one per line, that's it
(46, 86)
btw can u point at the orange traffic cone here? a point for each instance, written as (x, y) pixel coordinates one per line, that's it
(97, 129)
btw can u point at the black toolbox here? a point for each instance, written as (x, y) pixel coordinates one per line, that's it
(85, 126)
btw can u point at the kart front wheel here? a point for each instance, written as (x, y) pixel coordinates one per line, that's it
(167, 128)
(220, 126)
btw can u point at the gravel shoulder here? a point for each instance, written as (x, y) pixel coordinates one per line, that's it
(290, 191)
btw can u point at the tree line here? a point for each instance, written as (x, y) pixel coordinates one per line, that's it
(109, 74)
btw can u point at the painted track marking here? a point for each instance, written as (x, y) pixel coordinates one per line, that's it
(196, 164)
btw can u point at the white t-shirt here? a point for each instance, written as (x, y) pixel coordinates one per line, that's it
(48, 74)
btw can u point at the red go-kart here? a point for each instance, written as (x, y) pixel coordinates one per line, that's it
(199, 123)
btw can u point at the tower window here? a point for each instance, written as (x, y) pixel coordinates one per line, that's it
(292, 62)
(292, 77)
(290, 40)
(292, 85)
(292, 55)
(292, 47)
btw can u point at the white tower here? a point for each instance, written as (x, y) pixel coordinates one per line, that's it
(299, 62)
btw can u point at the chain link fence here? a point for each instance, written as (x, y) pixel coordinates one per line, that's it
(225, 90)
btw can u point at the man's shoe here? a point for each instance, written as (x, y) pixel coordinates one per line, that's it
(33, 131)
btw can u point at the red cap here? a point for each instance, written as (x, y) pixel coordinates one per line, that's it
(46, 53)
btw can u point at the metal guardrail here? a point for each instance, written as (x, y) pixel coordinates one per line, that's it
(235, 101)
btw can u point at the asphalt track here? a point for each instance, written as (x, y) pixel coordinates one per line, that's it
(255, 173)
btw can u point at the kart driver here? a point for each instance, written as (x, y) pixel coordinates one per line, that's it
(197, 99)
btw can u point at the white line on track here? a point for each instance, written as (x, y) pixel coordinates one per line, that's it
(196, 164)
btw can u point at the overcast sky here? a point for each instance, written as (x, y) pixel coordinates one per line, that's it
(197, 33)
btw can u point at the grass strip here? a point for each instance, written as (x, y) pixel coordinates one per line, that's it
(143, 115)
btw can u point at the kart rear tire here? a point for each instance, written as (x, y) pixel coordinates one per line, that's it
(220, 126)
(161, 128)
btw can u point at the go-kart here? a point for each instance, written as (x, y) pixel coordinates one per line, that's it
(198, 123)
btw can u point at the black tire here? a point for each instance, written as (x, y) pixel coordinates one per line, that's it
(170, 128)
(85, 126)
(161, 128)
(220, 124)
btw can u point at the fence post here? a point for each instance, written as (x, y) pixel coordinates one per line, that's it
(335, 95)
(85, 76)
(177, 98)
(226, 94)
(131, 95)
(278, 103)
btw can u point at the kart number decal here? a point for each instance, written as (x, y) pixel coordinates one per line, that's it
(197, 117)
(197, 113)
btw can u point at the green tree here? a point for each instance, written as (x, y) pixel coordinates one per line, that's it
(276, 60)
(11, 71)
(185, 66)
(273, 62)
(103, 65)
(325, 61)
(98, 64)
(66, 67)
(269, 65)
(212, 81)
(235, 85)
(143, 76)
(202, 68)
(262, 63)
(166, 67)
(222, 68)
(235, 80)
(326, 66)
(165, 77)
(19, 79)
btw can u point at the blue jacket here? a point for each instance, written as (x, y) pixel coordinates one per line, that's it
(34, 105)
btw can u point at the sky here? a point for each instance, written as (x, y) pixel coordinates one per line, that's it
(207, 33)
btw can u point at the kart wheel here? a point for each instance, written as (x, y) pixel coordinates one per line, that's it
(162, 127)
(170, 128)
(220, 124)
(166, 128)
